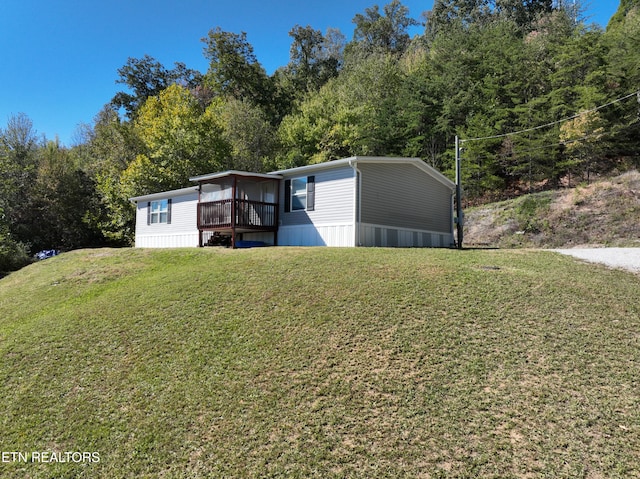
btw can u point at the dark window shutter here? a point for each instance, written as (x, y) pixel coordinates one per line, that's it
(287, 196)
(149, 212)
(169, 211)
(311, 193)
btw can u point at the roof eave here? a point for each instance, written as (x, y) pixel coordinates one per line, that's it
(222, 174)
(419, 163)
(164, 194)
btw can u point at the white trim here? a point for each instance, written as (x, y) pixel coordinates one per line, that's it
(357, 202)
(165, 194)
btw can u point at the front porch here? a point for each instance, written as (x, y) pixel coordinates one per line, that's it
(234, 203)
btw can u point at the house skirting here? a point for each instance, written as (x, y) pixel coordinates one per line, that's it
(386, 236)
(368, 235)
(176, 240)
(316, 235)
(310, 235)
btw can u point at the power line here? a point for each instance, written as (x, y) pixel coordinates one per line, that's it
(503, 135)
(517, 152)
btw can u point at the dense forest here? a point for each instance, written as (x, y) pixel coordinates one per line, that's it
(538, 97)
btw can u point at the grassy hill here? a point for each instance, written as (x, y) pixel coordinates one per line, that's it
(293, 362)
(606, 212)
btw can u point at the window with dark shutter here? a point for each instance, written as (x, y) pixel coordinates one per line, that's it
(149, 212)
(169, 211)
(300, 194)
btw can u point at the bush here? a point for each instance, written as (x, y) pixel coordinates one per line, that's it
(13, 255)
(530, 213)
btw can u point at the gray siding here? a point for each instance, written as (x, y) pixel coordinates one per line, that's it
(334, 197)
(404, 196)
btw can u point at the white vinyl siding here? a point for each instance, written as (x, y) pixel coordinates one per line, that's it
(312, 235)
(180, 232)
(333, 199)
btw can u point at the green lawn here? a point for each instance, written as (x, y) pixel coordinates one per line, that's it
(294, 362)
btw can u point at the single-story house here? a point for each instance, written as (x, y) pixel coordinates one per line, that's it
(357, 201)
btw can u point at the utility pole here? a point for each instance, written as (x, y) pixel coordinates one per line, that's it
(459, 213)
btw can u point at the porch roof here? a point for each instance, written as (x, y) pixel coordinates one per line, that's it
(222, 174)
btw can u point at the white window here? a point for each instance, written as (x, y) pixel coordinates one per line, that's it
(159, 212)
(298, 194)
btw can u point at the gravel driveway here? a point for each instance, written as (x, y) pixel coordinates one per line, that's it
(625, 258)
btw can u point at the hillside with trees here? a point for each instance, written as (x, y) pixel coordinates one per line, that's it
(480, 69)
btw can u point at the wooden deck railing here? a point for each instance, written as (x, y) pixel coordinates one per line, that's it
(237, 213)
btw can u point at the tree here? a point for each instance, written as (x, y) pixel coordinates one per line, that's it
(19, 145)
(447, 14)
(146, 77)
(13, 254)
(354, 114)
(386, 33)
(581, 137)
(523, 13)
(110, 146)
(180, 140)
(314, 58)
(622, 38)
(234, 70)
(250, 136)
(418, 108)
(61, 203)
(45, 194)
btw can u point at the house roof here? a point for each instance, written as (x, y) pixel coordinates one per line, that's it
(354, 160)
(300, 170)
(164, 194)
(222, 174)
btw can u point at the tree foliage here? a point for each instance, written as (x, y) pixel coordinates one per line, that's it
(234, 70)
(146, 77)
(46, 196)
(582, 136)
(19, 147)
(385, 32)
(249, 135)
(180, 140)
(61, 203)
(110, 147)
(314, 59)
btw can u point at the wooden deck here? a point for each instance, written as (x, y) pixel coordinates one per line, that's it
(237, 215)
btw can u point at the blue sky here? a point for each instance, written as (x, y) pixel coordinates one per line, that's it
(59, 58)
